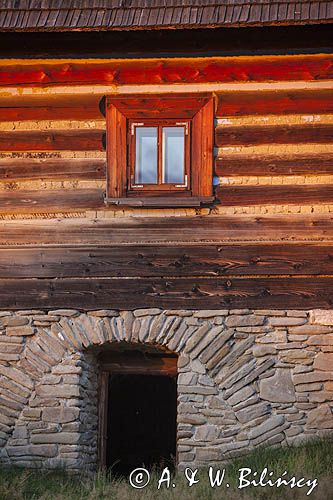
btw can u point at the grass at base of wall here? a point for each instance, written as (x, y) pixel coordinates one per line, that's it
(310, 461)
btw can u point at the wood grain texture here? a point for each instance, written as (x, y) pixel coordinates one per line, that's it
(156, 71)
(116, 151)
(202, 150)
(179, 293)
(52, 140)
(167, 230)
(49, 168)
(138, 363)
(267, 103)
(233, 165)
(226, 135)
(50, 112)
(38, 102)
(230, 195)
(174, 105)
(102, 431)
(159, 261)
(21, 201)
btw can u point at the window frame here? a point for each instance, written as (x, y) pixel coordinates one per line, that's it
(134, 189)
(195, 109)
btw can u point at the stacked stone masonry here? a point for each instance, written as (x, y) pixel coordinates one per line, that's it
(245, 378)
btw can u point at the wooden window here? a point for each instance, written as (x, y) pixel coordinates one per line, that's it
(160, 150)
(159, 156)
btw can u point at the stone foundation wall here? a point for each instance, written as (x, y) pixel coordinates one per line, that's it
(246, 378)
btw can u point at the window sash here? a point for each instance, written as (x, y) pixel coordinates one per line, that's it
(161, 126)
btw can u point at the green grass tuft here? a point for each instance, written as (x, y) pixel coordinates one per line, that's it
(312, 460)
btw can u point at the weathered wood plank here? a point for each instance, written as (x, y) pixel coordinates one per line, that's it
(136, 363)
(158, 260)
(51, 168)
(174, 105)
(283, 102)
(230, 195)
(51, 101)
(167, 230)
(21, 201)
(52, 140)
(156, 71)
(191, 293)
(49, 112)
(273, 134)
(245, 164)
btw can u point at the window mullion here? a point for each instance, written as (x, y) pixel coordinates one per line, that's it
(160, 155)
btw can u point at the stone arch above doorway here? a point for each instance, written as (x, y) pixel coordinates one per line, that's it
(243, 378)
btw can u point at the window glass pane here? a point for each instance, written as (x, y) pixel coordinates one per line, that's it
(146, 155)
(173, 155)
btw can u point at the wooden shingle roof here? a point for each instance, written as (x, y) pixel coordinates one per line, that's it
(64, 15)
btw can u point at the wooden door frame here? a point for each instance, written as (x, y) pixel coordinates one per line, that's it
(124, 363)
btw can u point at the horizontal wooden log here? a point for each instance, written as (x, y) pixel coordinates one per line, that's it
(233, 165)
(230, 195)
(273, 134)
(52, 140)
(179, 293)
(39, 100)
(158, 260)
(197, 70)
(167, 230)
(21, 201)
(50, 168)
(50, 112)
(282, 102)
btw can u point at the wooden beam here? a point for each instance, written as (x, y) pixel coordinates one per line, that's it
(102, 430)
(45, 100)
(52, 140)
(273, 134)
(167, 230)
(233, 165)
(50, 112)
(22, 93)
(309, 67)
(283, 102)
(230, 195)
(158, 260)
(50, 168)
(136, 363)
(21, 201)
(116, 152)
(179, 293)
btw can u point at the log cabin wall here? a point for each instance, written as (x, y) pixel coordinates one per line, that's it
(273, 124)
(273, 140)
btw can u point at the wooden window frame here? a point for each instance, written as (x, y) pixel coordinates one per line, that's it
(160, 187)
(195, 109)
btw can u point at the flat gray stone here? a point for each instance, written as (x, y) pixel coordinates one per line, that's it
(47, 450)
(279, 388)
(56, 438)
(252, 412)
(268, 425)
(241, 395)
(244, 320)
(60, 414)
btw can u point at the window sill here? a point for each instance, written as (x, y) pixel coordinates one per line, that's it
(161, 202)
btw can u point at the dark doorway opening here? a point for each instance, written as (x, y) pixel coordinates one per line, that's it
(141, 422)
(137, 408)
